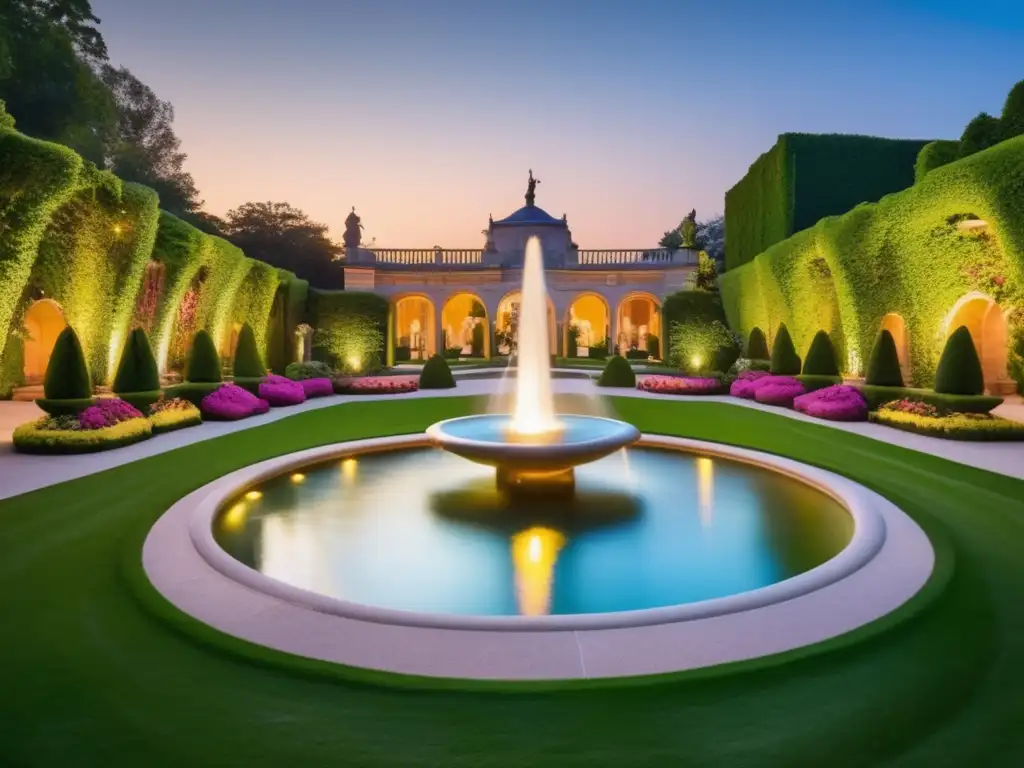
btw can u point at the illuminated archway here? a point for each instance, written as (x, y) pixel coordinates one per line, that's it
(897, 328)
(986, 321)
(508, 311)
(415, 327)
(591, 315)
(465, 324)
(638, 315)
(44, 322)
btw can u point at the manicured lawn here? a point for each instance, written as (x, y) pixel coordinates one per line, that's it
(90, 676)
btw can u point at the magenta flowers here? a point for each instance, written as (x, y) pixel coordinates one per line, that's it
(279, 391)
(680, 385)
(106, 412)
(231, 402)
(779, 390)
(746, 385)
(838, 403)
(317, 387)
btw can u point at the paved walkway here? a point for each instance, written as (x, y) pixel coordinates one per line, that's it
(22, 473)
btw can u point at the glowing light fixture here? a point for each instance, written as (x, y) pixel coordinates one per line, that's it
(298, 477)
(118, 229)
(234, 518)
(354, 362)
(348, 469)
(696, 361)
(253, 495)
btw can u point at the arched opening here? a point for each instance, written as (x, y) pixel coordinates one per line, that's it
(508, 320)
(638, 317)
(986, 321)
(415, 335)
(229, 353)
(590, 315)
(465, 325)
(44, 322)
(897, 328)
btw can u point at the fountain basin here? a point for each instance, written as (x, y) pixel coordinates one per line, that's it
(489, 439)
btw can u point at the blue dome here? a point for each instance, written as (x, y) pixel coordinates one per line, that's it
(531, 214)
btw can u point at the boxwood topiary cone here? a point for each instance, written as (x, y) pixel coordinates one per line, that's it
(203, 361)
(884, 363)
(821, 357)
(785, 360)
(757, 345)
(436, 374)
(67, 375)
(248, 362)
(959, 371)
(137, 370)
(617, 373)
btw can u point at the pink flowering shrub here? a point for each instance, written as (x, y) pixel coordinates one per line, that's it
(376, 385)
(230, 402)
(106, 412)
(779, 390)
(912, 407)
(838, 403)
(317, 387)
(678, 385)
(747, 383)
(279, 391)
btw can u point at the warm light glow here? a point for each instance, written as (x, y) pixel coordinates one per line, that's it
(534, 412)
(348, 469)
(298, 477)
(706, 490)
(253, 495)
(534, 553)
(234, 518)
(117, 229)
(696, 361)
(354, 362)
(113, 353)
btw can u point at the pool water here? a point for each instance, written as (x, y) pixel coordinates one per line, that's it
(423, 530)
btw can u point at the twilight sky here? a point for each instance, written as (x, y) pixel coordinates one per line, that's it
(427, 114)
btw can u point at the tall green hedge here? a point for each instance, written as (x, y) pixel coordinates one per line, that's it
(688, 309)
(350, 328)
(903, 255)
(934, 155)
(806, 177)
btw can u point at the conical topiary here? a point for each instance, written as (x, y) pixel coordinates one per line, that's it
(757, 345)
(617, 373)
(67, 375)
(137, 370)
(821, 357)
(959, 371)
(248, 362)
(436, 374)
(203, 364)
(884, 363)
(785, 360)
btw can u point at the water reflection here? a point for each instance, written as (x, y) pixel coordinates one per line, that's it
(706, 490)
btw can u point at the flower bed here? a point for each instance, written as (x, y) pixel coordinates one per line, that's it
(747, 382)
(280, 391)
(682, 385)
(169, 415)
(779, 390)
(108, 423)
(925, 419)
(230, 402)
(317, 387)
(376, 385)
(836, 403)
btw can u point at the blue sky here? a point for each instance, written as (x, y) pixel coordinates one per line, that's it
(427, 115)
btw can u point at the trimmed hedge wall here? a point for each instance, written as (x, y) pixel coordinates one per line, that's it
(901, 255)
(806, 177)
(350, 329)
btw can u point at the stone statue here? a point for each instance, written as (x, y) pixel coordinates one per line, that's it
(531, 186)
(353, 230)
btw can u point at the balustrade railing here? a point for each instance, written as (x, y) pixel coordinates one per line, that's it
(657, 255)
(414, 256)
(454, 257)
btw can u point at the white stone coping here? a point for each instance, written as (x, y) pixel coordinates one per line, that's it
(888, 560)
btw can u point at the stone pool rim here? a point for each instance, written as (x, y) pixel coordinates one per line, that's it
(869, 536)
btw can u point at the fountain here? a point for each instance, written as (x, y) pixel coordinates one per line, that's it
(532, 448)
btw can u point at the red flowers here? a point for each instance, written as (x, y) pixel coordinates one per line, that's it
(377, 385)
(680, 385)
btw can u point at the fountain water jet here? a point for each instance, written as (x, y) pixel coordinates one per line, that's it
(532, 448)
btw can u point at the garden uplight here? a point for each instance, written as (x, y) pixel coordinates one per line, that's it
(353, 362)
(253, 495)
(696, 361)
(298, 477)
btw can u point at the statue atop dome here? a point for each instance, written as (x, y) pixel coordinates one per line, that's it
(531, 186)
(353, 230)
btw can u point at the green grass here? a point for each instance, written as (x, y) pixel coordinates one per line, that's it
(94, 675)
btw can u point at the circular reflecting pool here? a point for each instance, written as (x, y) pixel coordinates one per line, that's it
(423, 530)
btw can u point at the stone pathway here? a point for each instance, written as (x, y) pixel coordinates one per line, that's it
(22, 473)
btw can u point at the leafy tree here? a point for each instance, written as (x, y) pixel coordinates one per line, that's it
(688, 230)
(145, 148)
(711, 237)
(6, 120)
(1012, 121)
(981, 133)
(672, 240)
(707, 274)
